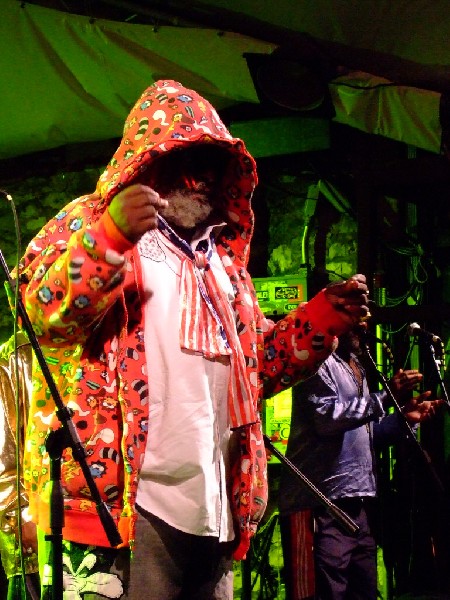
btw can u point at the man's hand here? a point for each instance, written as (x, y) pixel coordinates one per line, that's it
(135, 210)
(419, 408)
(350, 298)
(403, 382)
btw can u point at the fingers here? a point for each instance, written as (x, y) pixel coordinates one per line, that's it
(350, 297)
(135, 210)
(139, 196)
(357, 281)
(407, 380)
(411, 374)
(354, 286)
(355, 299)
(421, 408)
(144, 195)
(421, 398)
(427, 409)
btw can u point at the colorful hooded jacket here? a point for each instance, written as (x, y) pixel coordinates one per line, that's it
(82, 289)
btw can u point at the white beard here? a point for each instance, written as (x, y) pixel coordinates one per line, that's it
(187, 209)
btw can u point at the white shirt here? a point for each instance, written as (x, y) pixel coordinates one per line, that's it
(183, 476)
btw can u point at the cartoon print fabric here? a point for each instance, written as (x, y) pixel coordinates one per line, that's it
(82, 287)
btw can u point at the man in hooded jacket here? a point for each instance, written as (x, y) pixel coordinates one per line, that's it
(141, 300)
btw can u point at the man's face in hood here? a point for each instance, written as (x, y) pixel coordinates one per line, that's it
(190, 179)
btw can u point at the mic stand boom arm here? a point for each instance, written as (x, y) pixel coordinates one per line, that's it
(410, 436)
(57, 440)
(334, 511)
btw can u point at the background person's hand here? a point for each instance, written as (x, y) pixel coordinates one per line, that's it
(403, 382)
(29, 538)
(135, 210)
(420, 409)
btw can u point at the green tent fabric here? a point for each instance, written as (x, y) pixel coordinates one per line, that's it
(67, 79)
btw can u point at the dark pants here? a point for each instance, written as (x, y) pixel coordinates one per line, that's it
(345, 564)
(178, 565)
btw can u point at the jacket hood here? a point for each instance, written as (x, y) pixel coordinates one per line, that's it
(169, 117)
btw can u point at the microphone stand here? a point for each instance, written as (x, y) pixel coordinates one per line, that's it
(438, 374)
(64, 437)
(407, 427)
(334, 511)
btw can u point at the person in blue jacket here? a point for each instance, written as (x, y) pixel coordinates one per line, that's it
(336, 423)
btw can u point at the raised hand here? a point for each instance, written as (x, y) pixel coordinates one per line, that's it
(403, 382)
(135, 210)
(350, 297)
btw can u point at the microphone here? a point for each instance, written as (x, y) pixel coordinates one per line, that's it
(6, 195)
(415, 329)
